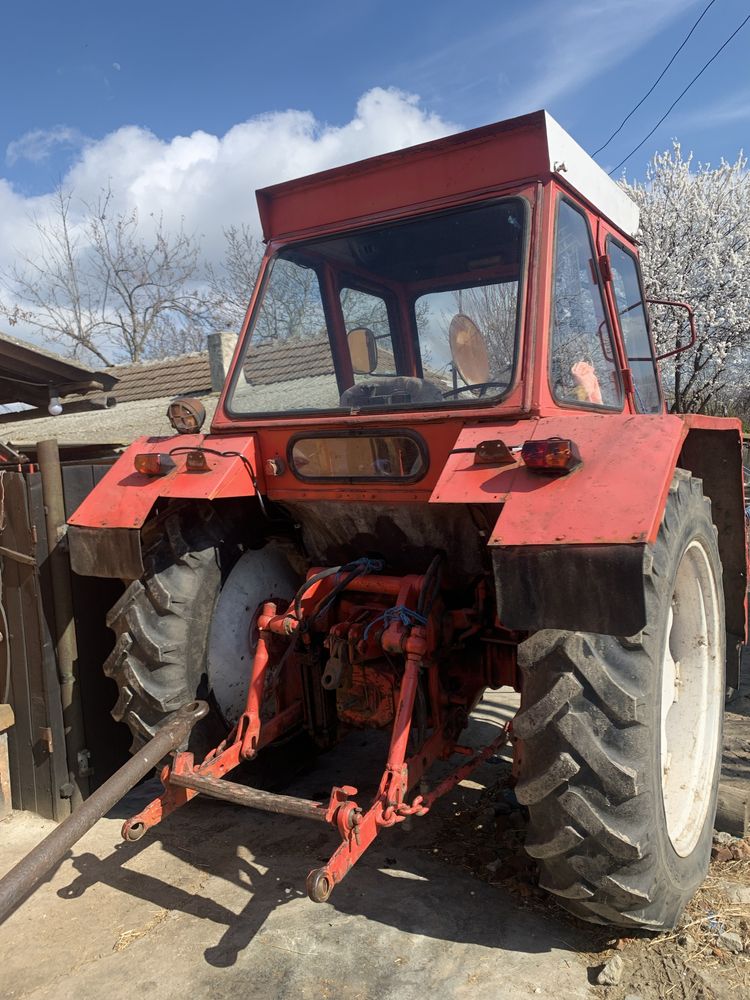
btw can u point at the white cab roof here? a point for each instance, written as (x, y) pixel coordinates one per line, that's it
(574, 164)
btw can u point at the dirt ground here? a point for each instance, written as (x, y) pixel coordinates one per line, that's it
(212, 904)
(706, 957)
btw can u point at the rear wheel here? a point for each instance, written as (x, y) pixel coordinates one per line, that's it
(184, 628)
(161, 623)
(621, 737)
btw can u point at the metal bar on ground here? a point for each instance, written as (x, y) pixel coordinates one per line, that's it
(30, 871)
(254, 798)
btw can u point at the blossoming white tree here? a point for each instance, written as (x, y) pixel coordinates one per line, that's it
(695, 235)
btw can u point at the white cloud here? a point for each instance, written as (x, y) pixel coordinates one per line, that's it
(37, 144)
(210, 180)
(728, 110)
(579, 41)
(531, 55)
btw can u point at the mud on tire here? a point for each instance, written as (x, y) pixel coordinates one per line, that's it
(590, 732)
(161, 623)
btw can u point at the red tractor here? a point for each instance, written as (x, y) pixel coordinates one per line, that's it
(442, 462)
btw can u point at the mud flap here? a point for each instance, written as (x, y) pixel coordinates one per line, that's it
(586, 588)
(106, 552)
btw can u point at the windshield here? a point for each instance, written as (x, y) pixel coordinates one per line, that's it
(420, 313)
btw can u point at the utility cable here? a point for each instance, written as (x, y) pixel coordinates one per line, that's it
(656, 81)
(674, 103)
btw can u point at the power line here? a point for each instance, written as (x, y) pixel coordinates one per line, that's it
(679, 98)
(656, 81)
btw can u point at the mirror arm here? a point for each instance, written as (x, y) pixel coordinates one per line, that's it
(691, 319)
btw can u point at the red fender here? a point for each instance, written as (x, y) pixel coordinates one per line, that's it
(124, 498)
(599, 516)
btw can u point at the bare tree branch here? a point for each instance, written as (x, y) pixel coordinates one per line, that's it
(102, 286)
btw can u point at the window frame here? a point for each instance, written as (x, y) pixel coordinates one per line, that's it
(352, 434)
(407, 297)
(606, 319)
(523, 286)
(611, 238)
(246, 341)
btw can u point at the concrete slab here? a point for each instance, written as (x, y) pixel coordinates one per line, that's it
(212, 904)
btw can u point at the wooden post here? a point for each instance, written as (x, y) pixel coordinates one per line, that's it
(733, 807)
(6, 721)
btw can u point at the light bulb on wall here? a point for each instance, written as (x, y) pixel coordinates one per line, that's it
(55, 406)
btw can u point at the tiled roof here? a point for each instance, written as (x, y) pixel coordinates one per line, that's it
(296, 358)
(29, 374)
(183, 375)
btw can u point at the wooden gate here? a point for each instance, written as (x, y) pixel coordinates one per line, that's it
(38, 764)
(39, 768)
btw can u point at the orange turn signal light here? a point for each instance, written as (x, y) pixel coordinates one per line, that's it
(493, 452)
(153, 463)
(556, 455)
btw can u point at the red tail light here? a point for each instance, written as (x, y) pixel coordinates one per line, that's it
(153, 463)
(558, 455)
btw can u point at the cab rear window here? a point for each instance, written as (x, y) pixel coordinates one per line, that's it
(359, 458)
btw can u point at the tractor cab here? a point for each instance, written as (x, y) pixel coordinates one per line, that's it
(509, 295)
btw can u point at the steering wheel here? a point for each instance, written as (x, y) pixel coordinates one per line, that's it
(482, 386)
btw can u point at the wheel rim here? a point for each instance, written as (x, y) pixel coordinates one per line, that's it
(258, 575)
(691, 699)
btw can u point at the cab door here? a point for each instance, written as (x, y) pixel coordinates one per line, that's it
(623, 283)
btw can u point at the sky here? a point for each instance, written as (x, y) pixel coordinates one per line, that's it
(185, 108)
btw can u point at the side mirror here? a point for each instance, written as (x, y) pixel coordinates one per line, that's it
(691, 320)
(363, 349)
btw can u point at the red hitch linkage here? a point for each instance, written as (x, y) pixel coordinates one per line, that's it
(403, 633)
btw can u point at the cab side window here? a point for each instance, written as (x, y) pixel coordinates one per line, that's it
(631, 315)
(582, 366)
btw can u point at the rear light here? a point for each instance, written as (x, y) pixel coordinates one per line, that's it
(153, 463)
(493, 452)
(196, 461)
(186, 415)
(557, 455)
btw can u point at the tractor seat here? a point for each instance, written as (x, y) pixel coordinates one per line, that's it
(398, 389)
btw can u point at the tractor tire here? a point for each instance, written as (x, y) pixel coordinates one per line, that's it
(161, 624)
(620, 738)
